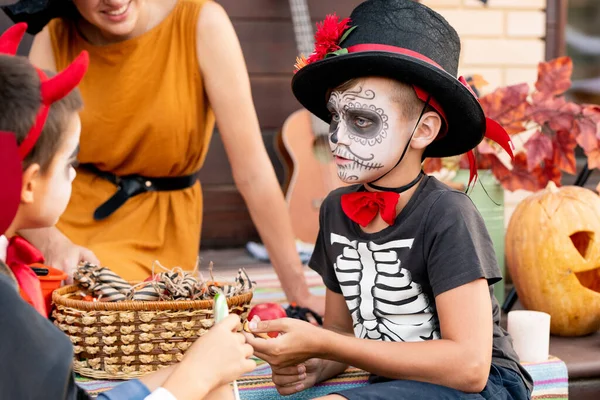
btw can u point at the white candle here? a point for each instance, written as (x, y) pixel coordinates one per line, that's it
(530, 331)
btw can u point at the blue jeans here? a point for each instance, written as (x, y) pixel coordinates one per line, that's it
(503, 384)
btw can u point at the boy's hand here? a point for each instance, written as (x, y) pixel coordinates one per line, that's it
(298, 342)
(222, 351)
(215, 359)
(290, 380)
(66, 256)
(59, 252)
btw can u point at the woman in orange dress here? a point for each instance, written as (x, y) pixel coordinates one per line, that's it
(161, 72)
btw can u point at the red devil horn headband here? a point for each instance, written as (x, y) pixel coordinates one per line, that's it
(11, 155)
(52, 89)
(9, 41)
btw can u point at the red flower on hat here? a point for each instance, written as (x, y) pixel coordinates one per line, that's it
(330, 33)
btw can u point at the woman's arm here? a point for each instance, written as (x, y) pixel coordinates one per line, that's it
(41, 54)
(460, 360)
(228, 87)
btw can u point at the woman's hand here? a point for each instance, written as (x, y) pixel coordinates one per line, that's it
(215, 359)
(290, 380)
(59, 252)
(298, 342)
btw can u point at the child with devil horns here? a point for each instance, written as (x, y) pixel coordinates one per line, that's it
(408, 263)
(39, 140)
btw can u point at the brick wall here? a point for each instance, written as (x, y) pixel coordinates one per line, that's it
(503, 41)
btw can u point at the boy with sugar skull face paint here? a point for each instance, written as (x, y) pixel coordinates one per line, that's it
(407, 261)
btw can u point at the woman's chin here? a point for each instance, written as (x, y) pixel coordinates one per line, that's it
(121, 31)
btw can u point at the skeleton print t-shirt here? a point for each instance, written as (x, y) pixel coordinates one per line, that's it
(390, 279)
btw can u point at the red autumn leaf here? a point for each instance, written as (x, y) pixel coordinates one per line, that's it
(593, 158)
(551, 172)
(554, 111)
(507, 106)
(539, 148)
(564, 151)
(585, 131)
(591, 111)
(432, 165)
(519, 177)
(589, 121)
(554, 77)
(484, 161)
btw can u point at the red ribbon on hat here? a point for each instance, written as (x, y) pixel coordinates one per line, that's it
(20, 254)
(363, 207)
(11, 154)
(494, 131)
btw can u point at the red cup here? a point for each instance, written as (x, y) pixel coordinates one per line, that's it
(50, 283)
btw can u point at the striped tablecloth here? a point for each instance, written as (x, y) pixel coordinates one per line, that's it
(550, 377)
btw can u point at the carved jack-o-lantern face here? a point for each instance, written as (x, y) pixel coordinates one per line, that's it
(553, 255)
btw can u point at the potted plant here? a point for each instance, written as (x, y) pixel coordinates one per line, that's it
(545, 129)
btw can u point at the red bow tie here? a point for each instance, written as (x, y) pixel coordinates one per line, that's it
(362, 207)
(19, 256)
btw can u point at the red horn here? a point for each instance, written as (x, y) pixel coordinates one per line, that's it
(10, 40)
(10, 176)
(60, 85)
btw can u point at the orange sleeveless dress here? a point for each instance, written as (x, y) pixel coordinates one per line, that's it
(145, 112)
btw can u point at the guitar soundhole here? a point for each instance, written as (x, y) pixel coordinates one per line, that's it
(321, 149)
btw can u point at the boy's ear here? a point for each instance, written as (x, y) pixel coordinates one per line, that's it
(31, 177)
(427, 131)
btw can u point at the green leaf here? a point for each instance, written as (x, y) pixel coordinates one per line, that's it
(337, 53)
(345, 35)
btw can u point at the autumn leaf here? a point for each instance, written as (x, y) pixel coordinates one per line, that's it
(519, 177)
(539, 148)
(432, 165)
(482, 160)
(554, 111)
(593, 158)
(586, 134)
(564, 151)
(507, 106)
(554, 77)
(551, 172)
(477, 81)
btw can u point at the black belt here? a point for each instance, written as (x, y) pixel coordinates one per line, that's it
(132, 185)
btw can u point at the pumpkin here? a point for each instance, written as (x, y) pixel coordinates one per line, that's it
(553, 256)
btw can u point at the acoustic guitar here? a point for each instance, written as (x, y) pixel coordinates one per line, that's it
(304, 146)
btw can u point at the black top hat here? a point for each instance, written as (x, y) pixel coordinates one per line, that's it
(409, 42)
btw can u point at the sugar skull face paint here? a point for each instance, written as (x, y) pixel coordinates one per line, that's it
(368, 130)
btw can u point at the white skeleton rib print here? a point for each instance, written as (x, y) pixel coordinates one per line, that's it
(385, 303)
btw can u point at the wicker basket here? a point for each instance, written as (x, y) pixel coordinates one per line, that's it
(128, 339)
